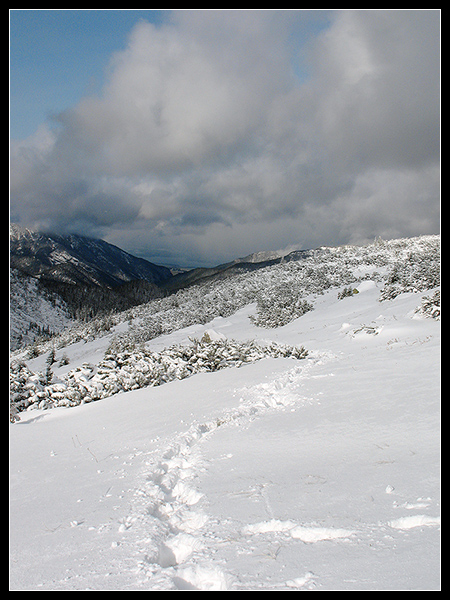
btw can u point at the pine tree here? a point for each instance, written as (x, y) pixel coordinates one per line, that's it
(51, 357)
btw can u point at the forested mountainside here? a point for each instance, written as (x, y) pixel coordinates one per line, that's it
(281, 293)
(69, 278)
(77, 259)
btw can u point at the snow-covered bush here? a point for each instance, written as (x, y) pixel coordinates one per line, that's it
(416, 269)
(347, 292)
(20, 388)
(279, 306)
(430, 306)
(134, 369)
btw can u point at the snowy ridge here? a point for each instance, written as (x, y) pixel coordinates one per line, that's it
(313, 474)
(282, 292)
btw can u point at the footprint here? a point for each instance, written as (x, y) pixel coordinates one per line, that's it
(180, 465)
(184, 585)
(185, 494)
(177, 549)
(201, 578)
(188, 520)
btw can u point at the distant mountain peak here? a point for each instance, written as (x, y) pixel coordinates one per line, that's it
(78, 259)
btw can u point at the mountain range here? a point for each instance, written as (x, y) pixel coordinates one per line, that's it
(57, 260)
(246, 264)
(59, 278)
(76, 259)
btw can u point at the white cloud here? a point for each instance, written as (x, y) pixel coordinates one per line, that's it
(180, 97)
(203, 142)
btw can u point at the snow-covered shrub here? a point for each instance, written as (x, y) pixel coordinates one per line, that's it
(416, 269)
(64, 360)
(347, 292)
(134, 369)
(279, 306)
(369, 329)
(430, 306)
(19, 388)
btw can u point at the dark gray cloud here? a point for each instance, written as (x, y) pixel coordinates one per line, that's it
(378, 88)
(205, 144)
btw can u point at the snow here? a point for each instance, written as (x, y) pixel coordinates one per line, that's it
(414, 521)
(314, 474)
(31, 308)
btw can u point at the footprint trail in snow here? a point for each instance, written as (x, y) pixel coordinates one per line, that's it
(175, 550)
(176, 542)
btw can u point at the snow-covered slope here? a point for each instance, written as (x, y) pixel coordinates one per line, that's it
(279, 291)
(318, 473)
(33, 310)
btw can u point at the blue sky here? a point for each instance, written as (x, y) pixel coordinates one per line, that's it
(192, 137)
(58, 56)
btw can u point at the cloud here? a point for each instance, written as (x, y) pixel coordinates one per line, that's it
(205, 144)
(378, 88)
(181, 96)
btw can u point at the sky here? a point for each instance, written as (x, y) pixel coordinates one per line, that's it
(192, 137)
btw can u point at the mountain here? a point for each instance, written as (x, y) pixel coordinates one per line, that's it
(246, 264)
(57, 280)
(76, 259)
(188, 448)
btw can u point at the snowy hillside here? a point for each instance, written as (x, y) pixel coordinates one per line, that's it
(220, 441)
(33, 311)
(77, 259)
